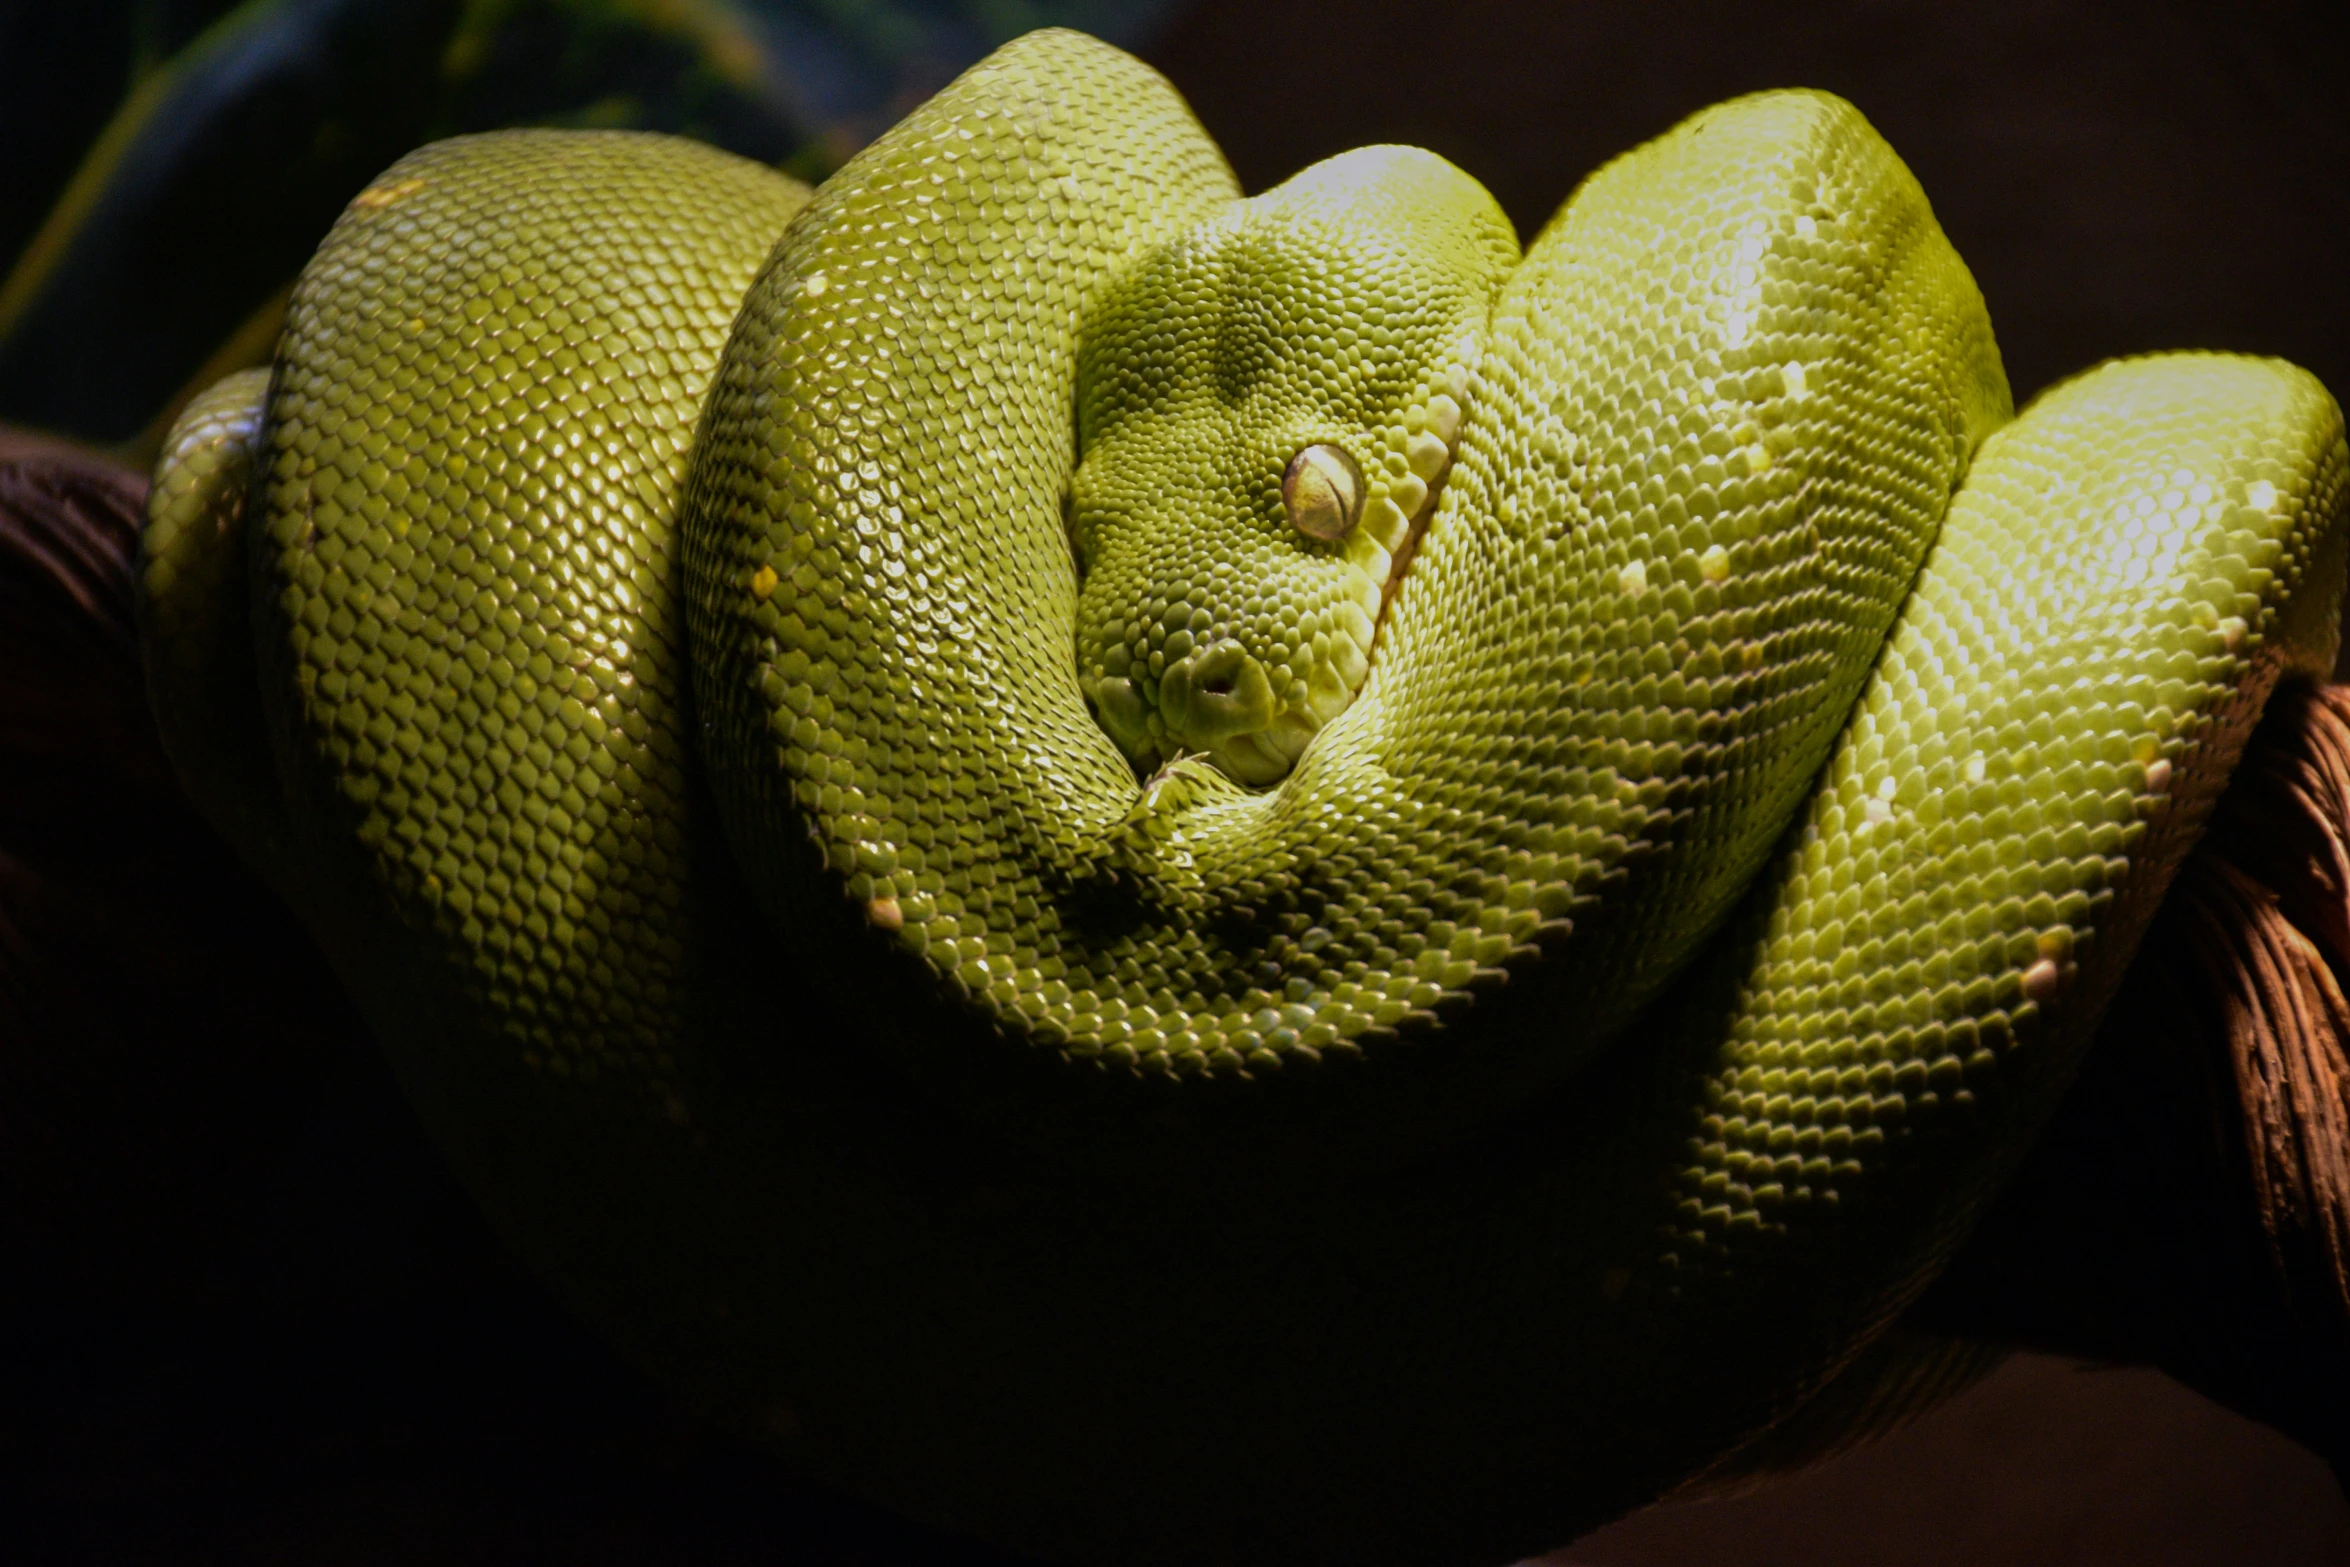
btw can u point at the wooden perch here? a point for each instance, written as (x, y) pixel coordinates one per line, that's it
(2268, 910)
(2189, 1206)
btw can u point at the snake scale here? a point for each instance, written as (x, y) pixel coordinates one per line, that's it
(1170, 876)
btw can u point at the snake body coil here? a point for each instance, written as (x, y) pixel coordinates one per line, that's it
(1030, 822)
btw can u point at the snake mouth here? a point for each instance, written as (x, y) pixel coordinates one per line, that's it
(1380, 549)
(1430, 462)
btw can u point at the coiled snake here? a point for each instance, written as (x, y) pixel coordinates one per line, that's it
(1176, 876)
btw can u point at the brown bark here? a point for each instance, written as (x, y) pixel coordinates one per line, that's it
(2189, 1207)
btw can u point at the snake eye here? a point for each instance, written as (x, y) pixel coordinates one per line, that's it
(1323, 492)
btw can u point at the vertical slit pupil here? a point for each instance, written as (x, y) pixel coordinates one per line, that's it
(1322, 491)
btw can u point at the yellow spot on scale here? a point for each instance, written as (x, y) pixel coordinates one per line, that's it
(885, 914)
(1633, 580)
(1714, 564)
(1974, 768)
(1444, 417)
(763, 582)
(376, 197)
(1427, 454)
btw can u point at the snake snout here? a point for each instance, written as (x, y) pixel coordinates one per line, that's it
(1215, 695)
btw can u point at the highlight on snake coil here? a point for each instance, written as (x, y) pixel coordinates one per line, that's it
(1163, 874)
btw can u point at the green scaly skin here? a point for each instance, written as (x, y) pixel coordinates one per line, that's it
(1697, 614)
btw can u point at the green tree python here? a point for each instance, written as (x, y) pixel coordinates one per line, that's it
(1175, 877)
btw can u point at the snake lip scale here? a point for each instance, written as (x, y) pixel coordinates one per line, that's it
(1167, 874)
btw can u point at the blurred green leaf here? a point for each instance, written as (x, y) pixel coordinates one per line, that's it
(183, 158)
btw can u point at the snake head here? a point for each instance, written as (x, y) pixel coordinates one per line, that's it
(1266, 409)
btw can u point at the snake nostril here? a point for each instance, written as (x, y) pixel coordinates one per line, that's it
(1217, 685)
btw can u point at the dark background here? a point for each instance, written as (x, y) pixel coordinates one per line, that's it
(246, 1318)
(2120, 177)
